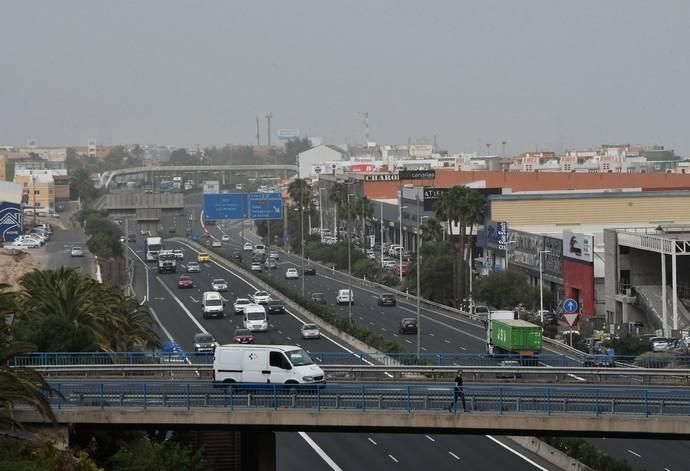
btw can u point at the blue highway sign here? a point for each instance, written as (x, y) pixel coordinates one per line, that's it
(570, 305)
(265, 206)
(226, 206)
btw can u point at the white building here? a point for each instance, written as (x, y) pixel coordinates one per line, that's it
(313, 162)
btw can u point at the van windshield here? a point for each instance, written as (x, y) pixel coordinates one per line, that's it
(299, 358)
(214, 302)
(256, 316)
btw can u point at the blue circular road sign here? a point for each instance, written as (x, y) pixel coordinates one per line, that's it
(570, 305)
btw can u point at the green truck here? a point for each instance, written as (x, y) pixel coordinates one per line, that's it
(513, 336)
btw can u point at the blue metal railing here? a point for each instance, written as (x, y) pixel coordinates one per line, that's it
(344, 358)
(373, 397)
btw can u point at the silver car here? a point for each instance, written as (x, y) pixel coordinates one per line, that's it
(193, 267)
(310, 331)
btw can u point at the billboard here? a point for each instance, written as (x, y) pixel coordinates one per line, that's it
(211, 186)
(10, 221)
(578, 246)
(287, 134)
(497, 234)
(381, 177)
(226, 205)
(417, 174)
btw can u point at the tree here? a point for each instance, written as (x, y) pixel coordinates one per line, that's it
(294, 147)
(431, 230)
(338, 196)
(182, 157)
(436, 277)
(506, 290)
(82, 186)
(145, 454)
(363, 210)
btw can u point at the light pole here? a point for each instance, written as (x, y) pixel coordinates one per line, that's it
(541, 285)
(419, 270)
(381, 221)
(508, 242)
(321, 212)
(349, 259)
(301, 226)
(402, 245)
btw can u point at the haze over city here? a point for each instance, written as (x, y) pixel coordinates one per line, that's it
(536, 74)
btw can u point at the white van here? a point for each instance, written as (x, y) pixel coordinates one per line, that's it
(282, 364)
(212, 304)
(255, 318)
(259, 249)
(345, 296)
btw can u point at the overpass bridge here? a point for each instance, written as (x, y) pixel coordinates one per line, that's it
(218, 171)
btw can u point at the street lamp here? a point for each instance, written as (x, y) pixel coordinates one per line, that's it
(402, 244)
(508, 242)
(321, 212)
(349, 259)
(419, 269)
(301, 225)
(541, 285)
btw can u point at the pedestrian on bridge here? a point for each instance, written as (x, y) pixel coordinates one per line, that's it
(458, 392)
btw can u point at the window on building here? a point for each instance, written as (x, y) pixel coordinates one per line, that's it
(566, 167)
(657, 166)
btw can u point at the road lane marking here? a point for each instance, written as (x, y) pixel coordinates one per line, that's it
(393, 458)
(633, 453)
(454, 455)
(372, 441)
(181, 304)
(516, 453)
(427, 436)
(319, 451)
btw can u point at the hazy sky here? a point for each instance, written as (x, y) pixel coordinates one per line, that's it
(549, 74)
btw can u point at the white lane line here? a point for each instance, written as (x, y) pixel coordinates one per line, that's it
(447, 341)
(427, 436)
(372, 441)
(424, 348)
(181, 304)
(160, 324)
(454, 455)
(319, 451)
(633, 453)
(393, 458)
(516, 453)
(408, 341)
(462, 348)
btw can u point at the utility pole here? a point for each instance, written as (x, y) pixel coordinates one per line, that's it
(269, 116)
(257, 131)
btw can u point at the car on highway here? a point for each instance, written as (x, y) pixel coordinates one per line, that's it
(256, 266)
(291, 274)
(259, 249)
(401, 270)
(225, 238)
(185, 281)
(310, 331)
(216, 243)
(389, 264)
(237, 256)
(179, 254)
(408, 325)
(239, 304)
(204, 343)
(255, 318)
(76, 252)
(386, 299)
(132, 237)
(193, 267)
(661, 344)
(371, 255)
(203, 257)
(274, 255)
(275, 306)
(219, 284)
(345, 296)
(248, 247)
(309, 270)
(318, 298)
(243, 336)
(270, 264)
(260, 297)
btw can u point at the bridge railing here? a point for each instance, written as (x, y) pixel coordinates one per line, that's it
(496, 400)
(358, 358)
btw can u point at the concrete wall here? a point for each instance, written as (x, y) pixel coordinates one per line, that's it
(645, 268)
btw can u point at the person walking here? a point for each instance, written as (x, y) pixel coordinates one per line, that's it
(458, 392)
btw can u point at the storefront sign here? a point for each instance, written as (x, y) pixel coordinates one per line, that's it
(381, 177)
(578, 246)
(417, 174)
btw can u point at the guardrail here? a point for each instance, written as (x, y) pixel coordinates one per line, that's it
(391, 373)
(401, 398)
(358, 358)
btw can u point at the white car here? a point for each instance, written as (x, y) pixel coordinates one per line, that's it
(219, 284)
(256, 266)
(26, 242)
(291, 274)
(77, 252)
(389, 264)
(371, 255)
(274, 255)
(225, 238)
(260, 297)
(193, 267)
(216, 243)
(310, 331)
(239, 304)
(248, 247)
(179, 254)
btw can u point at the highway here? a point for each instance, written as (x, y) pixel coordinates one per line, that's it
(440, 333)
(179, 313)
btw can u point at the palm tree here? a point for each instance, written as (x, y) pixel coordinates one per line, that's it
(137, 323)
(19, 385)
(363, 210)
(338, 196)
(300, 192)
(474, 215)
(431, 230)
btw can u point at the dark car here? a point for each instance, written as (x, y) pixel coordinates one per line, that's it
(204, 343)
(237, 255)
(408, 325)
(309, 270)
(318, 298)
(275, 306)
(386, 299)
(172, 229)
(132, 237)
(243, 336)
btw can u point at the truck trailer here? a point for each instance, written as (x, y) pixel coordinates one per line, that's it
(508, 335)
